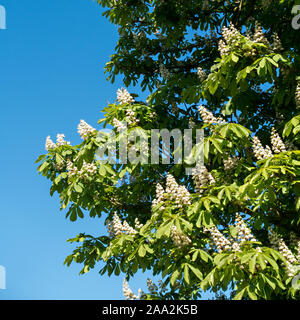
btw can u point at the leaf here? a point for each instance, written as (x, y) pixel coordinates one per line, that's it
(164, 229)
(78, 188)
(142, 251)
(251, 294)
(217, 145)
(261, 261)
(186, 274)
(270, 281)
(240, 294)
(197, 272)
(204, 255)
(234, 58)
(252, 264)
(174, 277)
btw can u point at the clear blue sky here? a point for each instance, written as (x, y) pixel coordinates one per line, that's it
(51, 75)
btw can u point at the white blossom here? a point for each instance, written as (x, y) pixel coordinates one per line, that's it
(277, 144)
(131, 117)
(201, 74)
(243, 232)
(259, 36)
(119, 125)
(259, 151)
(137, 223)
(87, 169)
(209, 118)
(116, 227)
(297, 94)
(123, 96)
(221, 243)
(129, 295)
(179, 239)
(191, 123)
(159, 196)
(60, 140)
(49, 144)
(278, 244)
(230, 34)
(230, 163)
(223, 49)
(201, 177)
(85, 129)
(152, 287)
(277, 45)
(178, 193)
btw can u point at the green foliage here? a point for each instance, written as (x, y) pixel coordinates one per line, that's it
(252, 85)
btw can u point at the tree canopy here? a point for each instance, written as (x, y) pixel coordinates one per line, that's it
(232, 69)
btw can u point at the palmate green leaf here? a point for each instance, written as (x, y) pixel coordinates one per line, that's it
(251, 293)
(164, 229)
(78, 187)
(204, 255)
(196, 272)
(252, 263)
(270, 281)
(142, 251)
(239, 295)
(175, 275)
(186, 274)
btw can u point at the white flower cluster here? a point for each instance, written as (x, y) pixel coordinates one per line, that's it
(179, 239)
(259, 36)
(87, 169)
(123, 96)
(279, 244)
(152, 287)
(49, 144)
(277, 45)
(201, 177)
(192, 124)
(131, 117)
(293, 239)
(243, 232)
(259, 151)
(60, 141)
(71, 168)
(174, 191)
(116, 227)
(85, 129)
(119, 125)
(231, 35)
(295, 242)
(277, 144)
(129, 295)
(223, 49)
(160, 196)
(209, 118)
(297, 94)
(220, 241)
(178, 193)
(230, 163)
(165, 73)
(201, 74)
(138, 225)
